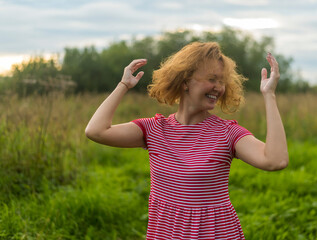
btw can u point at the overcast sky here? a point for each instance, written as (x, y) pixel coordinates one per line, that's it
(32, 27)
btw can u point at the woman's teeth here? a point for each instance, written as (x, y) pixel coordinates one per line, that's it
(211, 96)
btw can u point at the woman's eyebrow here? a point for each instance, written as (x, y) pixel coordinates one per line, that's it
(212, 76)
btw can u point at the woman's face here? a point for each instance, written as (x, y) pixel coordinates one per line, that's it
(206, 86)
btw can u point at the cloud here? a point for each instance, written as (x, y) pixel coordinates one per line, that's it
(169, 5)
(248, 2)
(251, 23)
(45, 28)
(32, 26)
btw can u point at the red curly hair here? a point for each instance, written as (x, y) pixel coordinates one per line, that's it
(168, 80)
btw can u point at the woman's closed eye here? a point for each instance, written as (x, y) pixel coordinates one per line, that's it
(214, 80)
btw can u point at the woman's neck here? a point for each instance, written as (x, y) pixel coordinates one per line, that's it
(187, 116)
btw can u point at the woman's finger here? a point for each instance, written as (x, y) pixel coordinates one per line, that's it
(269, 58)
(264, 74)
(136, 64)
(139, 75)
(273, 63)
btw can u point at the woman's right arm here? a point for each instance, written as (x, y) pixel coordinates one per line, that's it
(100, 128)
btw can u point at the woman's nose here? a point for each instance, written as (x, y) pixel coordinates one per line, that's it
(217, 84)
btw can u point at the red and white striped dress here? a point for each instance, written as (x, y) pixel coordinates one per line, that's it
(190, 166)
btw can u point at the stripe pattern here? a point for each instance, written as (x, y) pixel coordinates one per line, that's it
(190, 166)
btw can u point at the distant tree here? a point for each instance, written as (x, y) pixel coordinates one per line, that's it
(84, 66)
(171, 42)
(113, 61)
(146, 48)
(38, 75)
(98, 71)
(6, 85)
(93, 71)
(303, 86)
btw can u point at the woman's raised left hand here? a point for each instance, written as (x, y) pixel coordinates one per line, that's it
(268, 85)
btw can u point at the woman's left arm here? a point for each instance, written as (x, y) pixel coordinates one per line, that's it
(273, 154)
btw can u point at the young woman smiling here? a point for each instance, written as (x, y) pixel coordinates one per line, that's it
(191, 150)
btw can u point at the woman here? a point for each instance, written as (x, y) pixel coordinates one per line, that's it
(191, 151)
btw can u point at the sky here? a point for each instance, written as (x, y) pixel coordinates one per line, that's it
(43, 27)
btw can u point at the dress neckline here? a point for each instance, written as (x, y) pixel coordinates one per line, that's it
(176, 122)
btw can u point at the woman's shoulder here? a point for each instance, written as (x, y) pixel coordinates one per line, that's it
(230, 126)
(220, 121)
(148, 123)
(158, 117)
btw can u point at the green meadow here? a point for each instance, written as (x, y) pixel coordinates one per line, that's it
(57, 184)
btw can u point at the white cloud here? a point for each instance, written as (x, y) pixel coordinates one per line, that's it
(6, 61)
(251, 23)
(33, 26)
(170, 5)
(81, 43)
(248, 2)
(311, 74)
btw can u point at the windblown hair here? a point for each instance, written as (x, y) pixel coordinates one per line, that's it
(167, 82)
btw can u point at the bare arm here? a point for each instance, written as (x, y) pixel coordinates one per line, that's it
(100, 128)
(273, 154)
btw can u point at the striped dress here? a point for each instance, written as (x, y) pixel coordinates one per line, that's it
(190, 166)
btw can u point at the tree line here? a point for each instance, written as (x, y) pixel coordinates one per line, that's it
(92, 70)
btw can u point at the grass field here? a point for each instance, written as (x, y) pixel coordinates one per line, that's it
(56, 184)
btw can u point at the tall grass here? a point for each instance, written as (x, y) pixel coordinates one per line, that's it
(56, 184)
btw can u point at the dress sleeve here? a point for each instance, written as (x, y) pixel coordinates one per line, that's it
(146, 125)
(235, 133)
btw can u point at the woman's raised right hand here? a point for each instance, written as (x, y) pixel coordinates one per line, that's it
(128, 78)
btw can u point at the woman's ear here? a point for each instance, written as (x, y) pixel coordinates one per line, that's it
(185, 86)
